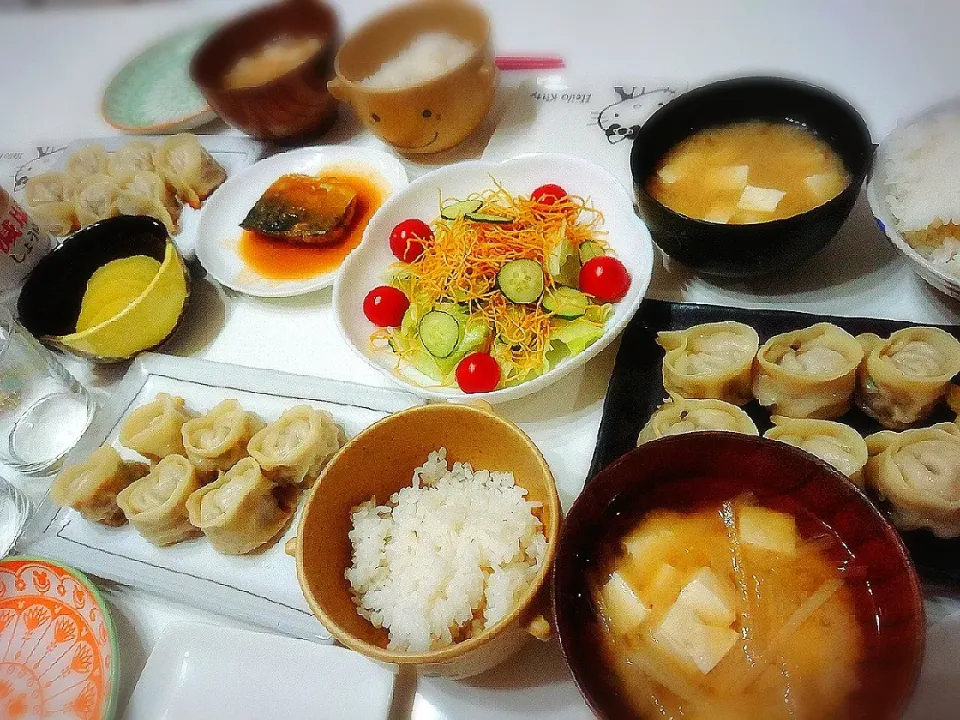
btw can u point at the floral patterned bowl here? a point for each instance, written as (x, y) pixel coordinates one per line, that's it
(58, 648)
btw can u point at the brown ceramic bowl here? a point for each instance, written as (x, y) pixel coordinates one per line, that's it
(377, 463)
(686, 471)
(433, 115)
(296, 105)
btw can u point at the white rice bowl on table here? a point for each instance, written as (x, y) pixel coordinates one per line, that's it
(447, 557)
(913, 193)
(429, 56)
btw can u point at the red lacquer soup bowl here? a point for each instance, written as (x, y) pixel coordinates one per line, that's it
(698, 470)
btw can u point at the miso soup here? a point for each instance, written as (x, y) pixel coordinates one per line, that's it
(748, 172)
(733, 611)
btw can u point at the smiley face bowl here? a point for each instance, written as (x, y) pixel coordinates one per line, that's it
(68, 301)
(418, 116)
(625, 235)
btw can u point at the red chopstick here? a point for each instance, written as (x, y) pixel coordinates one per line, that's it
(530, 62)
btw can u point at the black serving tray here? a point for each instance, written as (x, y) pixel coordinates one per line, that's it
(636, 390)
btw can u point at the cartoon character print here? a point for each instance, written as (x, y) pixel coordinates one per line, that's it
(46, 157)
(622, 120)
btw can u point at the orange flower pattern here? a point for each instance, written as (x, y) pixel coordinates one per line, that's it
(55, 655)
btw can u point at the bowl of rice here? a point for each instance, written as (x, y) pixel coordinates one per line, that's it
(428, 540)
(421, 76)
(913, 193)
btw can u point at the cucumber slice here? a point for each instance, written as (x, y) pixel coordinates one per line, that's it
(566, 303)
(439, 333)
(590, 250)
(521, 281)
(482, 217)
(456, 210)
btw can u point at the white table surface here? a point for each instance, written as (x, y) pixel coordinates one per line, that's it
(889, 58)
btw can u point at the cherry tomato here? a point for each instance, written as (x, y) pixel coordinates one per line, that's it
(548, 194)
(605, 278)
(405, 239)
(384, 306)
(478, 372)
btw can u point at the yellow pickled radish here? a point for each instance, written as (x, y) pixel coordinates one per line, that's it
(113, 287)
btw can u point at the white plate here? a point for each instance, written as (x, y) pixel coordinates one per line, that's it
(364, 269)
(219, 233)
(260, 588)
(233, 152)
(207, 672)
(935, 275)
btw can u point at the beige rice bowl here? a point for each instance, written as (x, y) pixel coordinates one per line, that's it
(445, 558)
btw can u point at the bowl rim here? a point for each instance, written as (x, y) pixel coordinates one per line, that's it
(758, 81)
(528, 602)
(933, 275)
(892, 535)
(613, 329)
(477, 57)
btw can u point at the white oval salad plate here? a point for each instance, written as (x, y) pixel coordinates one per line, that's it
(218, 238)
(370, 264)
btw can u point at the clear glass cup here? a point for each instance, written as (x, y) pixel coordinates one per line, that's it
(14, 511)
(44, 411)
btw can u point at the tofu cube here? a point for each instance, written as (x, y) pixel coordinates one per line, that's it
(669, 174)
(756, 199)
(729, 177)
(720, 214)
(823, 186)
(686, 637)
(647, 547)
(623, 608)
(708, 601)
(768, 530)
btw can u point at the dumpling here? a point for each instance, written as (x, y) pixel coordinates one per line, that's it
(58, 218)
(147, 194)
(903, 378)
(96, 199)
(156, 504)
(714, 360)
(808, 373)
(132, 158)
(218, 439)
(295, 447)
(155, 430)
(91, 487)
(88, 160)
(184, 163)
(834, 443)
(242, 509)
(678, 415)
(918, 472)
(49, 187)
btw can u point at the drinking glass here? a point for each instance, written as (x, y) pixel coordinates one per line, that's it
(43, 409)
(14, 511)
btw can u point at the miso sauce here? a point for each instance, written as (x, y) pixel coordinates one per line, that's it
(748, 172)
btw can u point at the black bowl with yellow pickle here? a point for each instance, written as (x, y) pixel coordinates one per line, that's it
(110, 291)
(758, 248)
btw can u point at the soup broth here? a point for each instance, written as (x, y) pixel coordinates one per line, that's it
(730, 612)
(267, 63)
(748, 172)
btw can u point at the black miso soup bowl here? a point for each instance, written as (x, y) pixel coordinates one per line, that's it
(746, 251)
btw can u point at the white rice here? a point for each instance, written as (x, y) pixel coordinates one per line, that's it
(445, 558)
(920, 167)
(429, 56)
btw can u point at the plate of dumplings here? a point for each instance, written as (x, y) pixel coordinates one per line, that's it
(873, 398)
(168, 178)
(190, 483)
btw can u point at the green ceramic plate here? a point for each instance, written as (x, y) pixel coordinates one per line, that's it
(153, 93)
